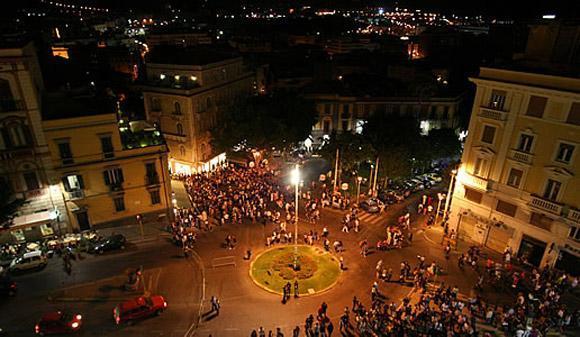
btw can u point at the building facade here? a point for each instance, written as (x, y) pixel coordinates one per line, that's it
(518, 184)
(109, 171)
(348, 114)
(186, 98)
(24, 155)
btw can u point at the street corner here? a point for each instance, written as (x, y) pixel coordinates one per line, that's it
(127, 285)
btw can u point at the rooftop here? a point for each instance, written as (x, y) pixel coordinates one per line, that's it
(193, 56)
(69, 105)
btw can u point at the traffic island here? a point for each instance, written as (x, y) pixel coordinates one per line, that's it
(315, 269)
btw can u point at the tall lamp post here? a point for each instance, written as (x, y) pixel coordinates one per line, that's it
(295, 178)
(449, 193)
(358, 181)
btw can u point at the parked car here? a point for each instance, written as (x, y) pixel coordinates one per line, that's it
(7, 286)
(388, 197)
(29, 261)
(139, 308)
(58, 322)
(371, 205)
(435, 177)
(113, 242)
(418, 185)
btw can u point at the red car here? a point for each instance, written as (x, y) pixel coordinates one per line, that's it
(58, 322)
(139, 308)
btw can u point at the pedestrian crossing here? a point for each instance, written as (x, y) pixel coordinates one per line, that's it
(372, 219)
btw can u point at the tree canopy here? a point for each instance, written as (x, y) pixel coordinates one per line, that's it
(277, 120)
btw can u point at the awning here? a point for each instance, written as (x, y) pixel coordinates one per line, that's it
(39, 218)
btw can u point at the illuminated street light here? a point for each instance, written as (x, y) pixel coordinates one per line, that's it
(295, 179)
(358, 180)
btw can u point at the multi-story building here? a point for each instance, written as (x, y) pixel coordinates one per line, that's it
(109, 169)
(24, 154)
(342, 113)
(518, 184)
(185, 93)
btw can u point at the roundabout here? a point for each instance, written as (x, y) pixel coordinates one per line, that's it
(315, 269)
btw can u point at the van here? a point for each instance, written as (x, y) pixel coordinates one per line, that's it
(28, 261)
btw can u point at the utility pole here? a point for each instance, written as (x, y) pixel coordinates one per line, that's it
(335, 170)
(376, 175)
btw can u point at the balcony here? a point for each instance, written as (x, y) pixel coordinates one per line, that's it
(77, 194)
(9, 105)
(522, 157)
(152, 179)
(474, 181)
(574, 215)
(492, 113)
(546, 205)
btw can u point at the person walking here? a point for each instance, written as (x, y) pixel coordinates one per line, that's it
(215, 305)
(296, 331)
(279, 333)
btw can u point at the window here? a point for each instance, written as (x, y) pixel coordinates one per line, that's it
(152, 177)
(345, 125)
(65, 153)
(488, 134)
(113, 176)
(541, 221)
(525, 143)
(179, 129)
(119, 203)
(480, 167)
(515, 178)
(506, 208)
(445, 112)
(536, 106)
(107, 146)
(177, 108)
(574, 233)
(552, 190)
(326, 126)
(574, 115)
(73, 182)
(327, 108)
(155, 105)
(433, 112)
(345, 110)
(182, 150)
(497, 100)
(31, 181)
(473, 195)
(155, 197)
(565, 152)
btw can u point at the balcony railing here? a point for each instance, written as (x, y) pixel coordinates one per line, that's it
(522, 157)
(574, 215)
(494, 114)
(474, 181)
(9, 105)
(546, 205)
(77, 194)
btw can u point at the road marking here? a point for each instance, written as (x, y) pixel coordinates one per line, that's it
(193, 327)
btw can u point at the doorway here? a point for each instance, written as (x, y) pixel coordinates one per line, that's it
(83, 220)
(532, 250)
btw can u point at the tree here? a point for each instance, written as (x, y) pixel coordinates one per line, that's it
(354, 150)
(266, 121)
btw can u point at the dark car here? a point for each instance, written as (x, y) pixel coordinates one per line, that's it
(7, 286)
(139, 308)
(371, 205)
(58, 322)
(113, 242)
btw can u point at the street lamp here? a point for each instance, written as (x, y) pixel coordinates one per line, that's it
(358, 180)
(295, 179)
(449, 193)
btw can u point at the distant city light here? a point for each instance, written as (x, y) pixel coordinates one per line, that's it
(549, 16)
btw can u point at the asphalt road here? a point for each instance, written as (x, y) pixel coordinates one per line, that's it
(179, 280)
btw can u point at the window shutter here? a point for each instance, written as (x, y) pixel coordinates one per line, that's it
(107, 178)
(81, 181)
(66, 184)
(120, 175)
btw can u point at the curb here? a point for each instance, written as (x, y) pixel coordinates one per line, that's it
(280, 293)
(91, 299)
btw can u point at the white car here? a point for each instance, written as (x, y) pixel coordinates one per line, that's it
(31, 260)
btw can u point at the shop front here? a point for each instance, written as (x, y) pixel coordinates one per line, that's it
(30, 227)
(568, 260)
(531, 250)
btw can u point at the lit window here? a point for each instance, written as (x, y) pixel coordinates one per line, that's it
(162, 77)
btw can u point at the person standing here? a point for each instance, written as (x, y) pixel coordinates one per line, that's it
(215, 305)
(279, 333)
(296, 292)
(296, 331)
